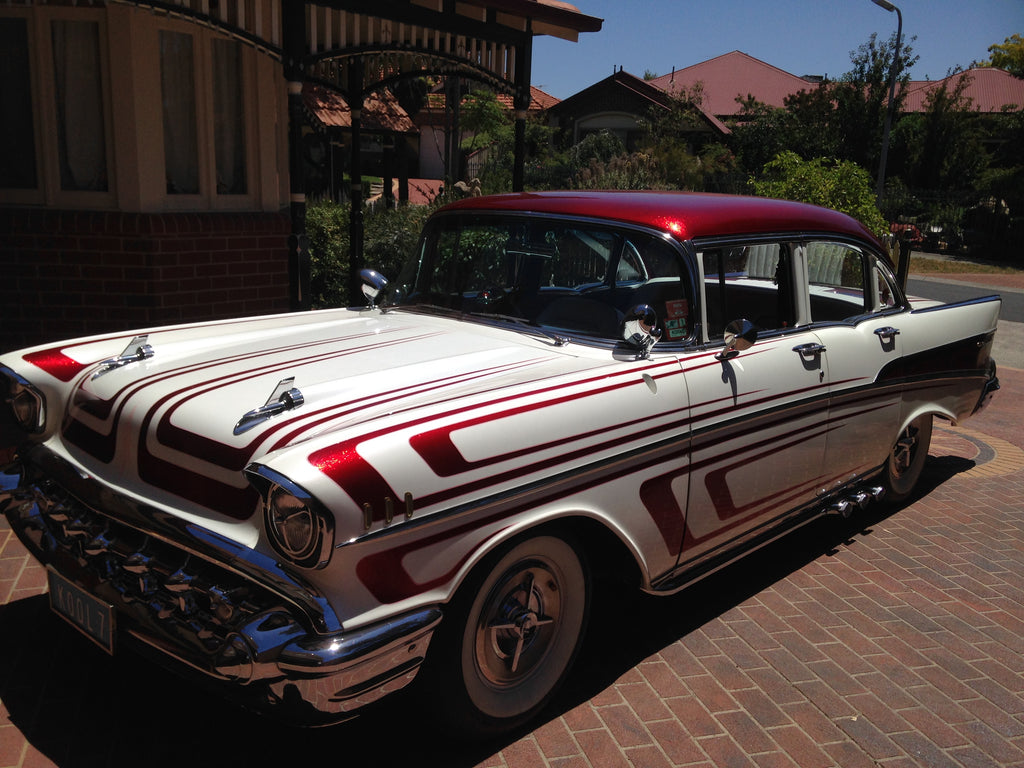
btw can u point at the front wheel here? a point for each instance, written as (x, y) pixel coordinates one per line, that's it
(907, 458)
(514, 635)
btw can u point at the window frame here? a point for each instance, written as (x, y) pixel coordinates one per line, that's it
(49, 190)
(207, 198)
(873, 267)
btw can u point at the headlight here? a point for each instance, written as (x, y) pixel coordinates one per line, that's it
(297, 525)
(26, 402)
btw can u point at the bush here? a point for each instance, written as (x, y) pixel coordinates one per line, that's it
(841, 185)
(389, 236)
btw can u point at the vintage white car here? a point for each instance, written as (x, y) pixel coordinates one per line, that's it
(308, 509)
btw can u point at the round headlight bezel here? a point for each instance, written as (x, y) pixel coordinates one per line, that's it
(297, 525)
(27, 404)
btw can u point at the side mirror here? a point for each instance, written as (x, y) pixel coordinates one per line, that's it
(373, 283)
(740, 335)
(639, 329)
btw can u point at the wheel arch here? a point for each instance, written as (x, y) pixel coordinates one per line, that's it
(597, 540)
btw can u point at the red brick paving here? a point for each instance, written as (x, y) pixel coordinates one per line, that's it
(895, 640)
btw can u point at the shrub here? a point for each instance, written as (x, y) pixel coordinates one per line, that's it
(389, 236)
(838, 184)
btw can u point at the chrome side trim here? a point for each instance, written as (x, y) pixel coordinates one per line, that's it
(965, 303)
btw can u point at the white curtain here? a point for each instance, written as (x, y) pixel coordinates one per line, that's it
(229, 117)
(78, 90)
(177, 82)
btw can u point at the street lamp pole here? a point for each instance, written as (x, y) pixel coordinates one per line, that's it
(891, 107)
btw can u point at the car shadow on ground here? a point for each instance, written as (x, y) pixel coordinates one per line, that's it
(80, 707)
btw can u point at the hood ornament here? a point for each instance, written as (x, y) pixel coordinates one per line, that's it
(285, 397)
(136, 351)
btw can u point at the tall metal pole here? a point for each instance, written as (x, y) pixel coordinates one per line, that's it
(891, 107)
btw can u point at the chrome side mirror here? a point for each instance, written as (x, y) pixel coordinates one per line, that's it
(740, 335)
(639, 329)
(373, 283)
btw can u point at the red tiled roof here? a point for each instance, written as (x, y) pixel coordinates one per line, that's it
(988, 88)
(738, 74)
(381, 110)
(539, 100)
(734, 74)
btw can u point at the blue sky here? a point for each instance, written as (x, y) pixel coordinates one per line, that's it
(803, 37)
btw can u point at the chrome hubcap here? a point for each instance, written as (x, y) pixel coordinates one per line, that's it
(903, 452)
(515, 634)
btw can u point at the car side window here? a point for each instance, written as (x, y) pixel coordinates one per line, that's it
(839, 283)
(752, 282)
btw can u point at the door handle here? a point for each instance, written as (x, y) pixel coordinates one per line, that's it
(887, 331)
(811, 348)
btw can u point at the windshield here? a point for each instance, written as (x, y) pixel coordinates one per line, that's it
(566, 276)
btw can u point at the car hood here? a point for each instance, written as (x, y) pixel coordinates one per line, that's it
(172, 427)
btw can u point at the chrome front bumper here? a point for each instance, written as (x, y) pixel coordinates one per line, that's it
(205, 603)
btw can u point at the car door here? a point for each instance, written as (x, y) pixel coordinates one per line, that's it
(759, 416)
(855, 312)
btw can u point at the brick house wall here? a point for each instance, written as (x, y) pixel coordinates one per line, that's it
(74, 273)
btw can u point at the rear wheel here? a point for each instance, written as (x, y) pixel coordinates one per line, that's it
(907, 458)
(514, 635)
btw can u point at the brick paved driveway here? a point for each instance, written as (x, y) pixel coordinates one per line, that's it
(896, 639)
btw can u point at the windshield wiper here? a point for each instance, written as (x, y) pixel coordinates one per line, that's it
(559, 341)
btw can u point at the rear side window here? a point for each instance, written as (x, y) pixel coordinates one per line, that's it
(847, 283)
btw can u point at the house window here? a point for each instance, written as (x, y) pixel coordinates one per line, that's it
(17, 131)
(178, 88)
(228, 118)
(78, 94)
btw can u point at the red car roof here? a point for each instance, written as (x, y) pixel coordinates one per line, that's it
(686, 215)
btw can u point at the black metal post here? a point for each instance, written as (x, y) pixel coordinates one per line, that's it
(521, 103)
(356, 218)
(293, 27)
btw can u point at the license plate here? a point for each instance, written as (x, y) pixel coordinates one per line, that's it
(89, 615)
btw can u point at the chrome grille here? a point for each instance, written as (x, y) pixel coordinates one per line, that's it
(166, 593)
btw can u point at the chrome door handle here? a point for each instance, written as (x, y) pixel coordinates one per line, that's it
(811, 348)
(887, 331)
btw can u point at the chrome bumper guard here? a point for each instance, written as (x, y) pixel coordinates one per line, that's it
(207, 604)
(990, 388)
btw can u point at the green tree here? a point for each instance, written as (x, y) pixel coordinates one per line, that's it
(861, 99)
(680, 145)
(1008, 55)
(483, 120)
(838, 184)
(758, 134)
(949, 153)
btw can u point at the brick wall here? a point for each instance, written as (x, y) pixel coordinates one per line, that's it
(74, 273)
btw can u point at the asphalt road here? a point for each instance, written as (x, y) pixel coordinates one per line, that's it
(949, 291)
